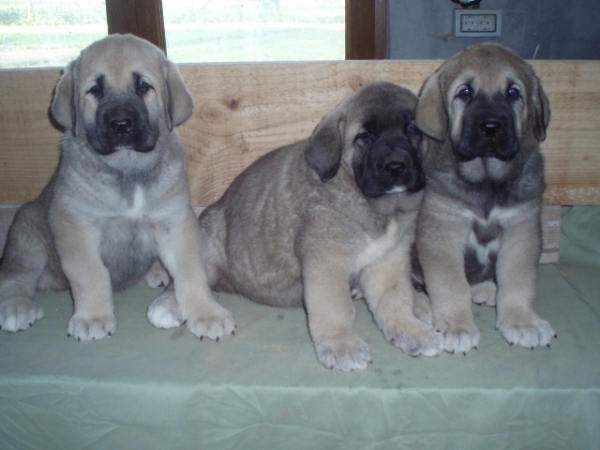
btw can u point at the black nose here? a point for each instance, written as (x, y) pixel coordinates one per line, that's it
(490, 127)
(395, 169)
(121, 126)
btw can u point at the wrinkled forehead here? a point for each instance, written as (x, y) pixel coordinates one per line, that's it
(387, 105)
(486, 70)
(119, 60)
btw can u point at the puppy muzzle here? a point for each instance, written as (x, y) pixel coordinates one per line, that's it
(389, 171)
(487, 134)
(122, 126)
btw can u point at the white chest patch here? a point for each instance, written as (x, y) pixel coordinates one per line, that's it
(483, 250)
(377, 248)
(396, 189)
(137, 207)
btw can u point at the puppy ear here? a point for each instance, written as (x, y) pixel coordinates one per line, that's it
(179, 103)
(324, 152)
(431, 114)
(63, 105)
(540, 107)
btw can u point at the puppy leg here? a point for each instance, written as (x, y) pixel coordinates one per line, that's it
(441, 242)
(330, 315)
(422, 307)
(78, 247)
(24, 261)
(389, 293)
(180, 251)
(516, 270)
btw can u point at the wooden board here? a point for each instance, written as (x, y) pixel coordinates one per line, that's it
(245, 110)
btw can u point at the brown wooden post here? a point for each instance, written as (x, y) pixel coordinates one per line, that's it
(366, 29)
(143, 18)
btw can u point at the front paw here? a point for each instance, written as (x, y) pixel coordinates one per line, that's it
(85, 328)
(157, 276)
(345, 352)
(460, 334)
(416, 338)
(19, 313)
(484, 293)
(526, 329)
(164, 312)
(214, 325)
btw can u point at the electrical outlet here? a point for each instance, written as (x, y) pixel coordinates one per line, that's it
(477, 22)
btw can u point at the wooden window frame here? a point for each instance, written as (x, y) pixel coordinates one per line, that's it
(366, 24)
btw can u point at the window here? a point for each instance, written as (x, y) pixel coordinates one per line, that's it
(52, 32)
(254, 30)
(37, 33)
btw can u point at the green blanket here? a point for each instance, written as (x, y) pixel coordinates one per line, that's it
(264, 389)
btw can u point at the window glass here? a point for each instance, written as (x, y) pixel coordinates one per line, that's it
(254, 30)
(37, 33)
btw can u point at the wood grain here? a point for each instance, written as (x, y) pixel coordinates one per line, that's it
(245, 110)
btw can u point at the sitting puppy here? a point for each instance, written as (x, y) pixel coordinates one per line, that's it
(484, 114)
(307, 223)
(118, 201)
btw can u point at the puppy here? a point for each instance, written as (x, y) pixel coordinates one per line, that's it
(119, 200)
(484, 114)
(307, 223)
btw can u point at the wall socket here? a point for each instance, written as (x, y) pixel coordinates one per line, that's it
(477, 22)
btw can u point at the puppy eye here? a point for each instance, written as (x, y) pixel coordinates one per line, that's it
(512, 93)
(366, 136)
(142, 87)
(411, 129)
(96, 90)
(465, 93)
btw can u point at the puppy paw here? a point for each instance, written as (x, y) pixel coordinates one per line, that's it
(417, 339)
(19, 313)
(215, 325)
(460, 336)
(526, 329)
(346, 352)
(85, 328)
(164, 312)
(484, 293)
(157, 276)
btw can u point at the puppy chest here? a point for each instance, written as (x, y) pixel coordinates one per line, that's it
(483, 241)
(373, 249)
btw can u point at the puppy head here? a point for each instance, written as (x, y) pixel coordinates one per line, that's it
(371, 135)
(485, 101)
(120, 95)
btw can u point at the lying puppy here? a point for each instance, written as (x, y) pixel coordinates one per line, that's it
(484, 114)
(118, 201)
(306, 223)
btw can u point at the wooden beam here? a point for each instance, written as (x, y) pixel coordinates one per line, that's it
(366, 29)
(245, 110)
(144, 18)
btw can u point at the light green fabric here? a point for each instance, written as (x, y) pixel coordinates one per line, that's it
(264, 389)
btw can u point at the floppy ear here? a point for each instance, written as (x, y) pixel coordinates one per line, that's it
(540, 107)
(179, 103)
(431, 114)
(63, 106)
(324, 152)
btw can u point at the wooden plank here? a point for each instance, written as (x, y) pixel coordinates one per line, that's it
(245, 110)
